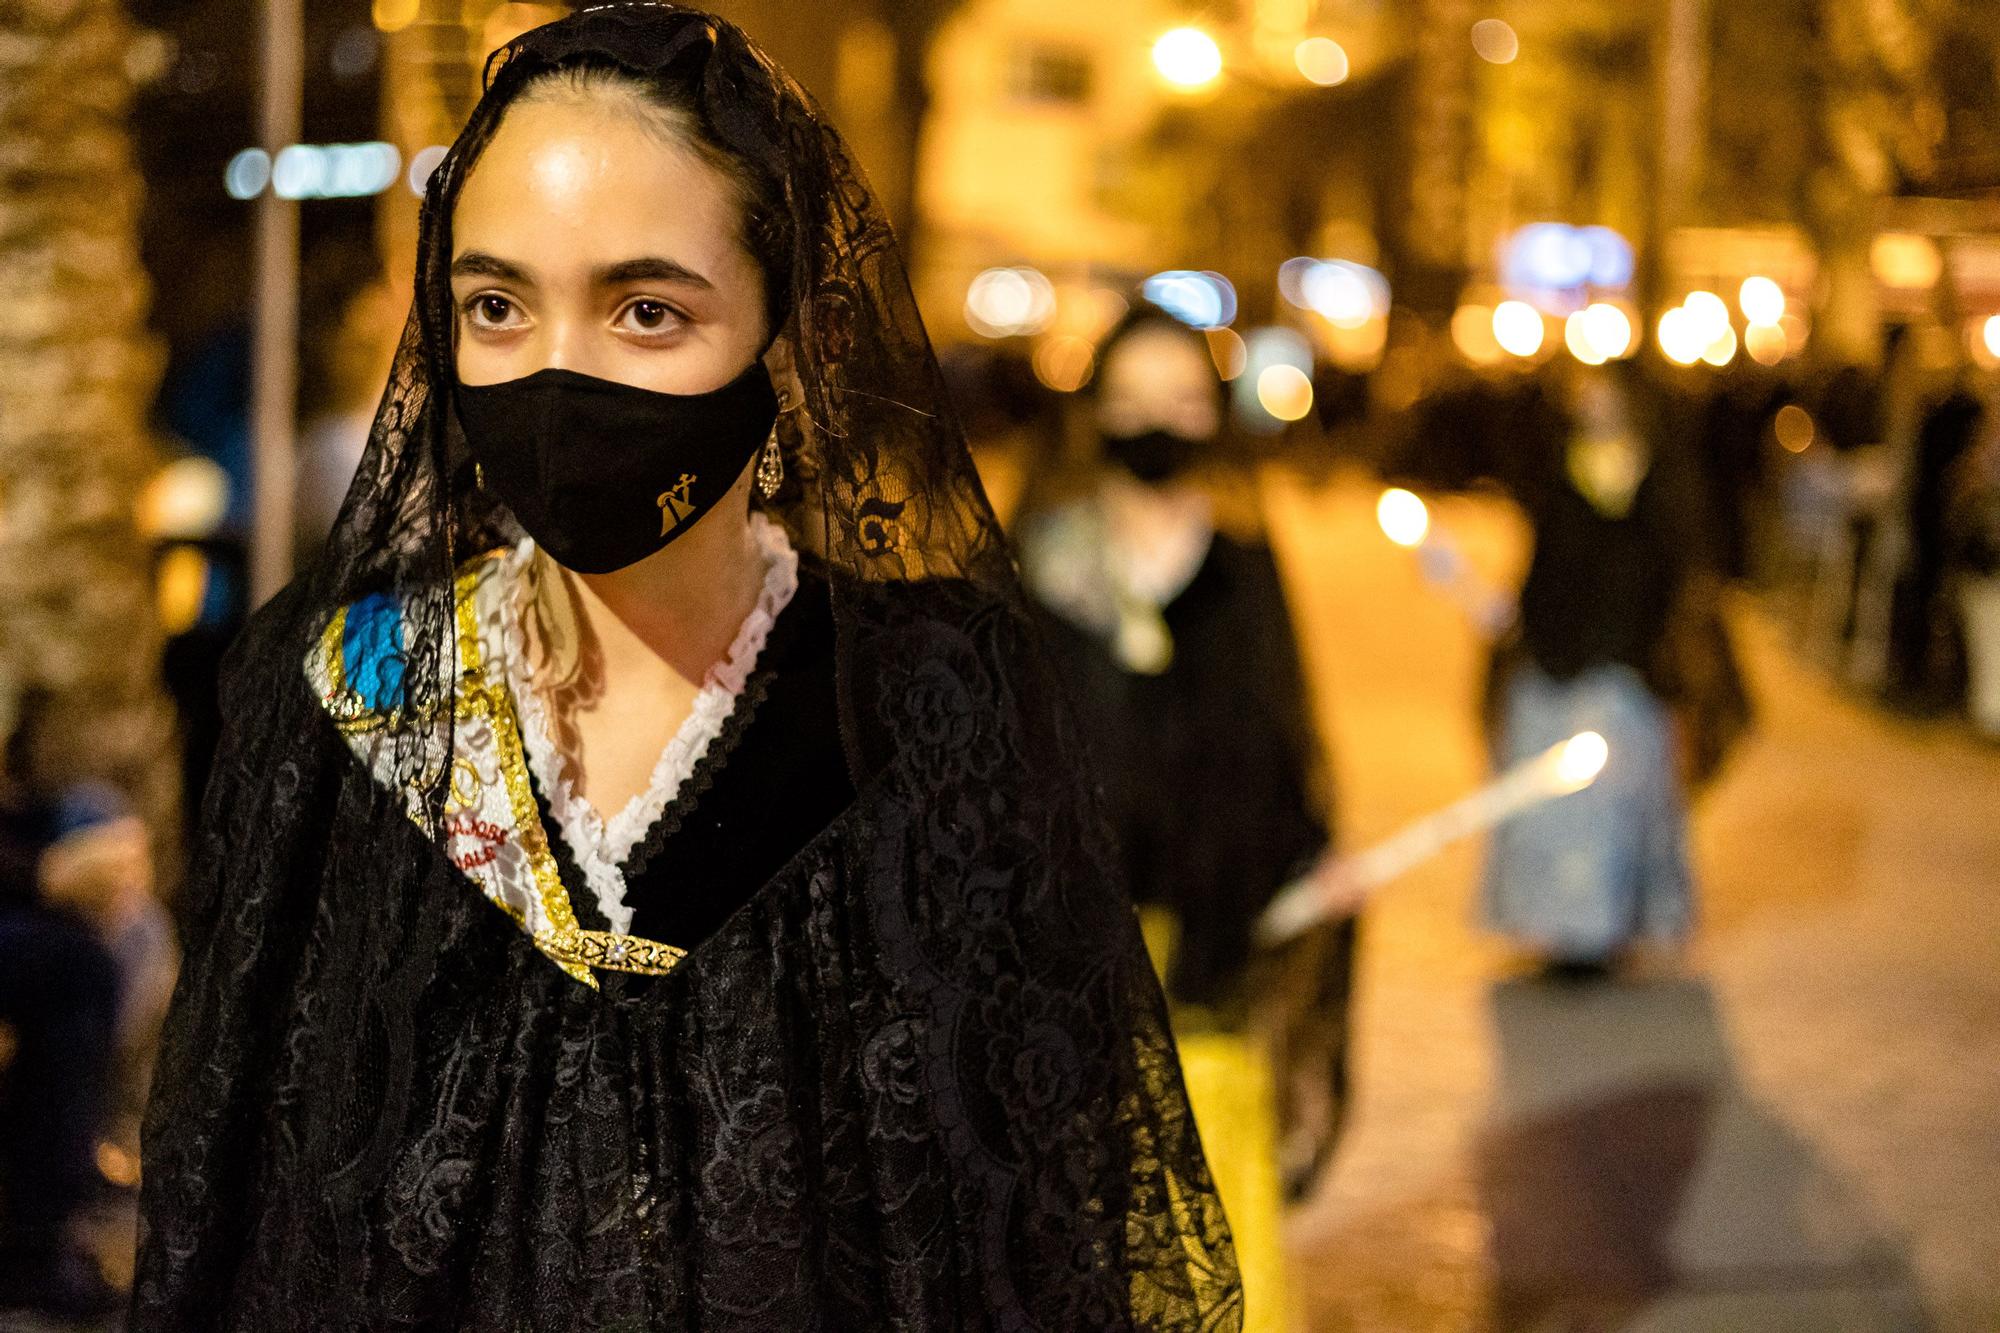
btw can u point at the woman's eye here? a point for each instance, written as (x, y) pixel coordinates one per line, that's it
(489, 311)
(647, 316)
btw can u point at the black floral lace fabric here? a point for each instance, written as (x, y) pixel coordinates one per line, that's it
(921, 1079)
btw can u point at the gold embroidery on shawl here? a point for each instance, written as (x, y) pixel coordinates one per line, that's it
(562, 938)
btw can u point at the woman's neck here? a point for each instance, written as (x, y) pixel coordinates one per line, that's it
(681, 606)
(1139, 512)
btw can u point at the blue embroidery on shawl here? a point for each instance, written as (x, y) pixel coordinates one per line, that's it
(371, 651)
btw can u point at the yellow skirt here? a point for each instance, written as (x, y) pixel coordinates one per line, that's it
(1229, 1087)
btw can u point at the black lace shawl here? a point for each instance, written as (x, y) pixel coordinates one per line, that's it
(921, 1079)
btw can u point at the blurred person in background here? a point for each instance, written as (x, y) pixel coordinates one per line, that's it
(198, 574)
(1920, 673)
(75, 874)
(1619, 632)
(1735, 422)
(1169, 622)
(1973, 576)
(647, 879)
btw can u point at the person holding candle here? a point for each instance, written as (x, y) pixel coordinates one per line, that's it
(1619, 633)
(1167, 613)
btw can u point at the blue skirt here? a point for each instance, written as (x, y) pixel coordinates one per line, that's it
(1584, 875)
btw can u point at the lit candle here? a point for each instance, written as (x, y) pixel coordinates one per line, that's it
(1339, 884)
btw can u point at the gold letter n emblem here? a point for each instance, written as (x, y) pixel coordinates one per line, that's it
(674, 504)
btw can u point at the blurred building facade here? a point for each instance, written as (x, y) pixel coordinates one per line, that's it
(1783, 139)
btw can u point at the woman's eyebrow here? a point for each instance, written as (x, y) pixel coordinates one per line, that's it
(479, 264)
(649, 269)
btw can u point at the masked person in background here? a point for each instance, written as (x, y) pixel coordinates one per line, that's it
(1620, 632)
(646, 882)
(1175, 638)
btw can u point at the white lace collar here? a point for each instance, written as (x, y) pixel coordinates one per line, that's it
(600, 846)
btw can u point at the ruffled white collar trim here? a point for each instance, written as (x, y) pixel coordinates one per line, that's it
(600, 846)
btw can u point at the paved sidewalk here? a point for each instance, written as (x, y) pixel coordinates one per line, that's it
(1798, 1127)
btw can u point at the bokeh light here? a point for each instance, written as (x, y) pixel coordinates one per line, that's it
(1472, 334)
(180, 586)
(1556, 257)
(1680, 337)
(1709, 313)
(1721, 350)
(1187, 58)
(247, 174)
(1613, 330)
(1794, 428)
(1007, 302)
(1517, 327)
(1285, 391)
(355, 53)
(149, 55)
(422, 163)
(1266, 347)
(1605, 329)
(1495, 41)
(1347, 295)
(323, 171)
(1199, 300)
(1576, 337)
(1323, 61)
(1992, 335)
(1227, 349)
(1761, 300)
(118, 1166)
(1403, 517)
(1767, 344)
(1906, 262)
(186, 500)
(1064, 362)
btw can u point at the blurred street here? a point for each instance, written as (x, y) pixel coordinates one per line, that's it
(1793, 1130)
(1585, 377)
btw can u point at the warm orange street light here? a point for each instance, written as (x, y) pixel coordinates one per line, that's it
(1187, 58)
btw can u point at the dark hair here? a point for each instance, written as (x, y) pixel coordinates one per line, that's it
(673, 97)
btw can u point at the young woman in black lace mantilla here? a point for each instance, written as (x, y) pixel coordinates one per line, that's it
(646, 882)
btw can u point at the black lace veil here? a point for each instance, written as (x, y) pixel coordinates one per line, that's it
(325, 958)
(888, 491)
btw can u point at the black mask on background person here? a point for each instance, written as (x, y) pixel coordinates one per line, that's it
(1154, 456)
(603, 474)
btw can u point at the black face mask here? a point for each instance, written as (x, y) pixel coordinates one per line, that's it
(1156, 456)
(603, 474)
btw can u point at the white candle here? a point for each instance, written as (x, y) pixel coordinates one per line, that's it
(1342, 882)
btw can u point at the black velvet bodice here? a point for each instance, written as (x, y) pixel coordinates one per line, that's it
(766, 786)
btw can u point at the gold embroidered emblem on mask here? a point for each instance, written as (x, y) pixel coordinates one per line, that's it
(675, 505)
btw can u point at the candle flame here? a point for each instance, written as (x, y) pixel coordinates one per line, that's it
(1404, 519)
(1580, 760)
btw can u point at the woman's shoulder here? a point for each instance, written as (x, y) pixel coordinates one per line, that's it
(357, 654)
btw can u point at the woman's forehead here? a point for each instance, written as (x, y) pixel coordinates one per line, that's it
(580, 185)
(1149, 352)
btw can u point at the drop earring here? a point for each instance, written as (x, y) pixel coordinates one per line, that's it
(770, 467)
